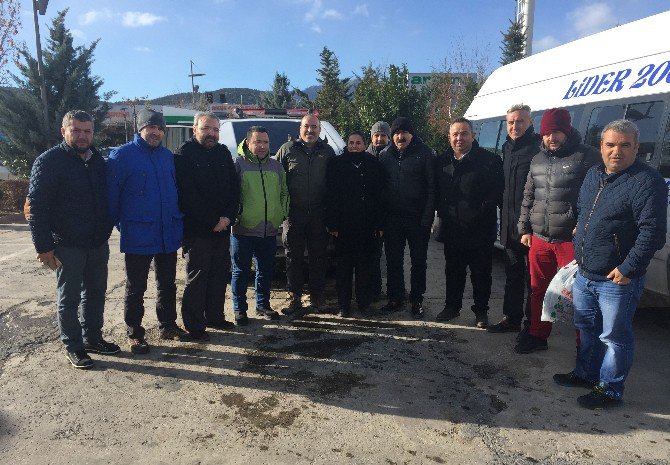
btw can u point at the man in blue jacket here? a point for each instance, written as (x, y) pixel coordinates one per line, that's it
(621, 223)
(144, 206)
(70, 225)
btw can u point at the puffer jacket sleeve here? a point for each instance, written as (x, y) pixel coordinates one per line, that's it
(115, 180)
(41, 192)
(283, 193)
(232, 206)
(650, 212)
(527, 203)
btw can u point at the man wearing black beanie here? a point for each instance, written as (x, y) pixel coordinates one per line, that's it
(410, 196)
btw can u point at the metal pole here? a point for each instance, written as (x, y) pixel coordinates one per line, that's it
(40, 69)
(192, 87)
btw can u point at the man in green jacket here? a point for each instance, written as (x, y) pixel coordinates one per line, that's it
(263, 207)
(305, 161)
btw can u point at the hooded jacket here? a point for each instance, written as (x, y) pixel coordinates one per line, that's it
(263, 194)
(143, 199)
(410, 181)
(305, 174)
(355, 205)
(469, 190)
(517, 155)
(68, 200)
(549, 205)
(621, 222)
(208, 188)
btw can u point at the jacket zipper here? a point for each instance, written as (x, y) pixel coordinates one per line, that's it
(309, 184)
(588, 218)
(265, 201)
(546, 200)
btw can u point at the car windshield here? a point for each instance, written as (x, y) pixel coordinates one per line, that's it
(279, 131)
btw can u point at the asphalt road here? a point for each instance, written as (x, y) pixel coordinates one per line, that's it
(379, 389)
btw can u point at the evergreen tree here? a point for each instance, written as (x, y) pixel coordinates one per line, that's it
(70, 85)
(334, 91)
(280, 96)
(513, 43)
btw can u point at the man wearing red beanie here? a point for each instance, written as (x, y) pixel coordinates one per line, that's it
(548, 213)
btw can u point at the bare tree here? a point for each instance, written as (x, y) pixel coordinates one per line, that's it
(10, 21)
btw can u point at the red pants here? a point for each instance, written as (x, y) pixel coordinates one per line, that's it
(544, 260)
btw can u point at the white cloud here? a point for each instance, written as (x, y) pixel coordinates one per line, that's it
(362, 10)
(142, 49)
(545, 43)
(90, 17)
(332, 14)
(78, 34)
(314, 11)
(316, 28)
(592, 18)
(137, 19)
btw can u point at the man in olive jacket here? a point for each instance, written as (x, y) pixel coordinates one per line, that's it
(305, 161)
(409, 167)
(209, 198)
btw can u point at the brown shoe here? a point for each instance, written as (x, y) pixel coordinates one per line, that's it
(504, 326)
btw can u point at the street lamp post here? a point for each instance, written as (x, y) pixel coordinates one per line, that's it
(41, 7)
(193, 86)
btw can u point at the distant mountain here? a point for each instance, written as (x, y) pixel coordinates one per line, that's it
(232, 95)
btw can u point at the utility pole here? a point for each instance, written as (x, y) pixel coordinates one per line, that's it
(41, 7)
(193, 86)
(525, 14)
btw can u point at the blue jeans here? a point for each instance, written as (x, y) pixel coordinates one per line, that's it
(82, 283)
(604, 317)
(242, 250)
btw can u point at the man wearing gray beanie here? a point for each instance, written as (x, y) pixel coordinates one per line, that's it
(380, 135)
(143, 206)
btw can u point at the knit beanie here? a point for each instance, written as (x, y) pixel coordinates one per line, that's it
(149, 117)
(556, 119)
(402, 124)
(380, 126)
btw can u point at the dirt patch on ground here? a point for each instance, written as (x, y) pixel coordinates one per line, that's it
(262, 413)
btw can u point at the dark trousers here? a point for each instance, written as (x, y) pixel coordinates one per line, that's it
(82, 283)
(207, 265)
(137, 273)
(457, 259)
(360, 263)
(376, 268)
(517, 284)
(400, 230)
(300, 231)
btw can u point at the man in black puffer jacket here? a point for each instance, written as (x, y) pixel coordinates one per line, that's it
(409, 167)
(548, 212)
(521, 146)
(70, 225)
(470, 187)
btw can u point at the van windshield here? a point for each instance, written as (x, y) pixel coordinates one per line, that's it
(279, 131)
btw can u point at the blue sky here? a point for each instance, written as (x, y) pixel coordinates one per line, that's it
(146, 45)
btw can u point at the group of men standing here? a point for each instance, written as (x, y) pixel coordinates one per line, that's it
(216, 209)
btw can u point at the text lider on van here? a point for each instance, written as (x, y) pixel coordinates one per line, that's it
(614, 81)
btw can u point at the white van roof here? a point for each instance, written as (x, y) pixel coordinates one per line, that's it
(552, 78)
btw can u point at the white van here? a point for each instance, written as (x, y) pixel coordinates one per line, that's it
(623, 72)
(279, 130)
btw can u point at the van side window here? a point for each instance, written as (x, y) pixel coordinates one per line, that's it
(665, 152)
(600, 116)
(647, 118)
(490, 137)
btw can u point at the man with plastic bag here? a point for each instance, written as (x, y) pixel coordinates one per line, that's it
(621, 224)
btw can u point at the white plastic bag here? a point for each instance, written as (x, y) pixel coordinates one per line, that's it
(557, 304)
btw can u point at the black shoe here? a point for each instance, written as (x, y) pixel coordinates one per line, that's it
(79, 359)
(221, 325)
(531, 344)
(318, 306)
(523, 334)
(363, 309)
(447, 314)
(102, 347)
(294, 306)
(344, 312)
(598, 400)
(174, 333)
(417, 310)
(393, 306)
(241, 318)
(481, 320)
(267, 313)
(572, 380)
(138, 346)
(504, 326)
(199, 336)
